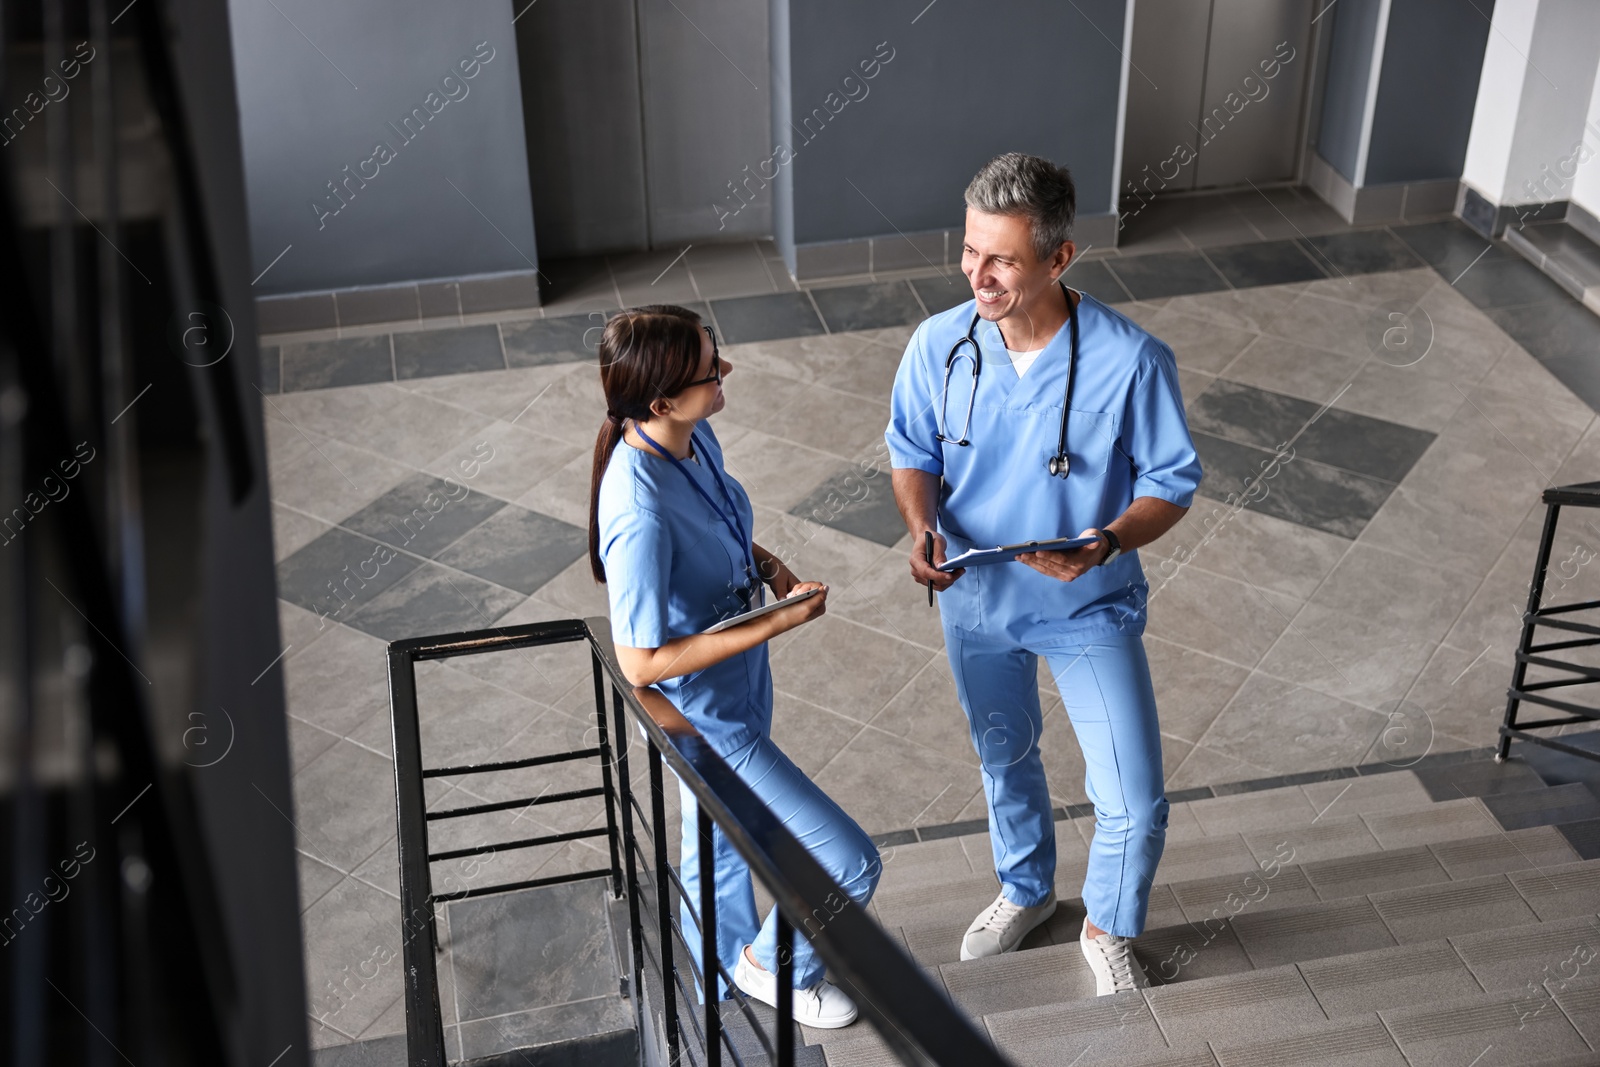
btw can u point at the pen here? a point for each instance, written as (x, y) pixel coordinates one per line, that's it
(927, 549)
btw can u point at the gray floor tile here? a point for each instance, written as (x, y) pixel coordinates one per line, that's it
(423, 514)
(1570, 802)
(1450, 247)
(1508, 283)
(339, 572)
(1328, 839)
(1115, 1025)
(518, 549)
(1223, 852)
(1243, 812)
(1091, 276)
(1363, 444)
(560, 339)
(1263, 263)
(1166, 274)
(1388, 978)
(532, 948)
(1311, 931)
(1489, 1030)
(432, 600)
(271, 369)
(1339, 1043)
(1301, 491)
(1232, 895)
(942, 293)
(1352, 876)
(1430, 912)
(323, 364)
(1477, 778)
(1277, 996)
(1561, 891)
(379, 1052)
(1361, 252)
(430, 353)
(1523, 958)
(343, 806)
(1250, 416)
(845, 502)
(1514, 850)
(868, 307)
(766, 317)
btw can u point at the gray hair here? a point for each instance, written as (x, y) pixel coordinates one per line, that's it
(1019, 184)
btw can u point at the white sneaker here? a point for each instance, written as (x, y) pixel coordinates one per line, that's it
(822, 1004)
(1002, 925)
(1113, 963)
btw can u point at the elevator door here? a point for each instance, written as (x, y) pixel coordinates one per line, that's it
(638, 114)
(1203, 112)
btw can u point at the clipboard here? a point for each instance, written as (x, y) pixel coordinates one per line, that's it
(977, 557)
(756, 613)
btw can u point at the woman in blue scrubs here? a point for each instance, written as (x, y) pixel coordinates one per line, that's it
(669, 535)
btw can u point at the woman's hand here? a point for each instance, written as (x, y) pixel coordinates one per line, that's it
(783, 582)
(807, 609)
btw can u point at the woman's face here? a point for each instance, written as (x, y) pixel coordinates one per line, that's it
(705, 399)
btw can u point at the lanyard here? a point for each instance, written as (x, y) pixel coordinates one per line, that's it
(730, 518)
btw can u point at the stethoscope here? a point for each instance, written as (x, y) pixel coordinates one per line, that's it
(1059, 462)
(730, 517)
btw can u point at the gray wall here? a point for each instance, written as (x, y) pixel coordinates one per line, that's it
(1350, 59)
(963, 86)
(1433, 56)
(302, 121)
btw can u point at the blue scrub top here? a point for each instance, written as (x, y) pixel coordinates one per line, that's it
(674, 568)
(1127, 437)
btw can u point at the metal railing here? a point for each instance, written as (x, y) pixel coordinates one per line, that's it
(914, 1017)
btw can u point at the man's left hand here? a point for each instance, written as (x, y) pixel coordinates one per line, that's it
(1065, 566)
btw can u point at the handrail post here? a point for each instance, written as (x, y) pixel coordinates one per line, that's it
(658, 817)
(785, 992)
(625, 786)
(710, 984)
(419, 938)
(605, 771)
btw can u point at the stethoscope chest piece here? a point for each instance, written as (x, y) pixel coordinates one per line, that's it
(1058, 465)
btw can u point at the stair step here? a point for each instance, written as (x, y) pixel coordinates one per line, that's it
(1572, 802)
(931, 922)
(1485, 1029)
(1476, 778)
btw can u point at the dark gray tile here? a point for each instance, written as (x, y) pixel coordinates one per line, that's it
(945, 292)
(438, 300)
(867, 307)
(324, 364)
(768, 317)
(1264, 263)
(1302, 490)
(1510, 283)
(517, 548)
(1092, 277)
(534, 948)
(431, 600)
(1584, 837)
(384, 303)
(1361, 252)
(286, 314)
(1248, 415)
(271, 368)
(562, 339)
(499, 292)
(833, 503)
(1477, 777)
(423, 514)
(1449, 247)
(378, 1052)
(1581, 374)
(1159, 274)
(338, 573)
(1363, 444)
(1572, 802)
(458, 350)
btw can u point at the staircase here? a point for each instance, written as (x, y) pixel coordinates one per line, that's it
(1443, 914)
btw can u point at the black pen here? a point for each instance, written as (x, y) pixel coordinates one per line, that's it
(927, 549)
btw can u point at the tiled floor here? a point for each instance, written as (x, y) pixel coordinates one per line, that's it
(1363, 606)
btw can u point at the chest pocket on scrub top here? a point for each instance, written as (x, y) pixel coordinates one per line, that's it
(1091, 441)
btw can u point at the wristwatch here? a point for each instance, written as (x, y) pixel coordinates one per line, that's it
(1116, 546)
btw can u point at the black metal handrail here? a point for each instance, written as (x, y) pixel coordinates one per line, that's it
(914, 1017)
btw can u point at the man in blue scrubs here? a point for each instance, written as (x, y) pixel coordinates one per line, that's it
(972, 441)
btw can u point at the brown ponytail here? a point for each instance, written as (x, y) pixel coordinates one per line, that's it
(645, 353)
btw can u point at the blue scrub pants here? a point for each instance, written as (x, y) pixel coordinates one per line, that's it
(1111, 703)
(833, 838)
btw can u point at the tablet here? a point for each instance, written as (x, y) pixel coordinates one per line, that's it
(756, 613)
(977, 557)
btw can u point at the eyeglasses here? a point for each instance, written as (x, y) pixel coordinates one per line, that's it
(716, 363)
